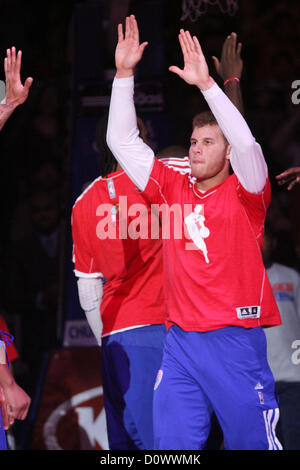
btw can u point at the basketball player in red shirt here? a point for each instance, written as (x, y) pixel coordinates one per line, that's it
(218, 294)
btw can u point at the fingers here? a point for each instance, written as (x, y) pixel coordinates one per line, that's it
(187, 41)
(232, 44)
(230, 48)
(291, 185)
(10, 415)
(12, 61)
(7, 62)
(120, 33)
(293, 182)
(17, 412)
(239, 49)
(183, 42)
(10, 412)
(127, 27)
(134, 29)
(197, 46)
(176, 70)
(189, 44)
(28, 83)
(24, 411)
(131, 29)
(4, 417)
(291, 172)
(216, 62)
(142, 47)
(290, 176)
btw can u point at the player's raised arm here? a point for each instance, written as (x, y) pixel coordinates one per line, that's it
(230, 68)
(129, 51)
(134, 156)
(195, 71)
(244, 148)
(16, 92)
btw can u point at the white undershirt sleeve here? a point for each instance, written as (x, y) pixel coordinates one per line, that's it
(135, 157)
(90, 291)
(246, 157)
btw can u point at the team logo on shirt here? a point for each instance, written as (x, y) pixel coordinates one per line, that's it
(248, 312)
(158, 379)
(195, 224)
(111, 188)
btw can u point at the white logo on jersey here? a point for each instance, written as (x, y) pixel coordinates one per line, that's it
(111, 188)
(197, 230)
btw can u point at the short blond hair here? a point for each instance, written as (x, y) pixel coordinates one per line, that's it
(206, 118)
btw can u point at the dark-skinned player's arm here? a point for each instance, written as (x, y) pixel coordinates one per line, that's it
(230, 68)
(246, 156)
(289, 177)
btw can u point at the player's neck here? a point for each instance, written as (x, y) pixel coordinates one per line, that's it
(207, 184)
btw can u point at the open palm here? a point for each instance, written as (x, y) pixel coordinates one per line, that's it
(16, 92)
(195, 71)
(129, 51)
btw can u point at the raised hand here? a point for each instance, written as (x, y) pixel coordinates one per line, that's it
(16, 92)
(129, 51)
(195, 71)
(230, 64)
(290, 177)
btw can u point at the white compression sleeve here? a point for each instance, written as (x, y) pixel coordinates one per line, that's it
(246, 158)
(135, 157)
(90, 291)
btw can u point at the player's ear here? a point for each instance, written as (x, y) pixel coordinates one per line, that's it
(228, 149)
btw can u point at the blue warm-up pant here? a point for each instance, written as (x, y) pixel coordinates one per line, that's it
(3, 444)
(225, 371)
(130, 361)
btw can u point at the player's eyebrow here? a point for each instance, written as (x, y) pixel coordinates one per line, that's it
(193, 139)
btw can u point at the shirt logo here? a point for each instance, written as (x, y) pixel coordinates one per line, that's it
(248, 312)
(258, 386)
(195, 224)
(111, 188)
(261, 398)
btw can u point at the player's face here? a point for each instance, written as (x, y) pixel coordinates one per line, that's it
(209, 154)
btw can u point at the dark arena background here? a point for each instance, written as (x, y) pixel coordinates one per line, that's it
(49, 155)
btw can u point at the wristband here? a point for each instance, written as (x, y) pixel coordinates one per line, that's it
(231, 79)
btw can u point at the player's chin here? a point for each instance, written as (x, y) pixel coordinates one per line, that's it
(198, 173)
